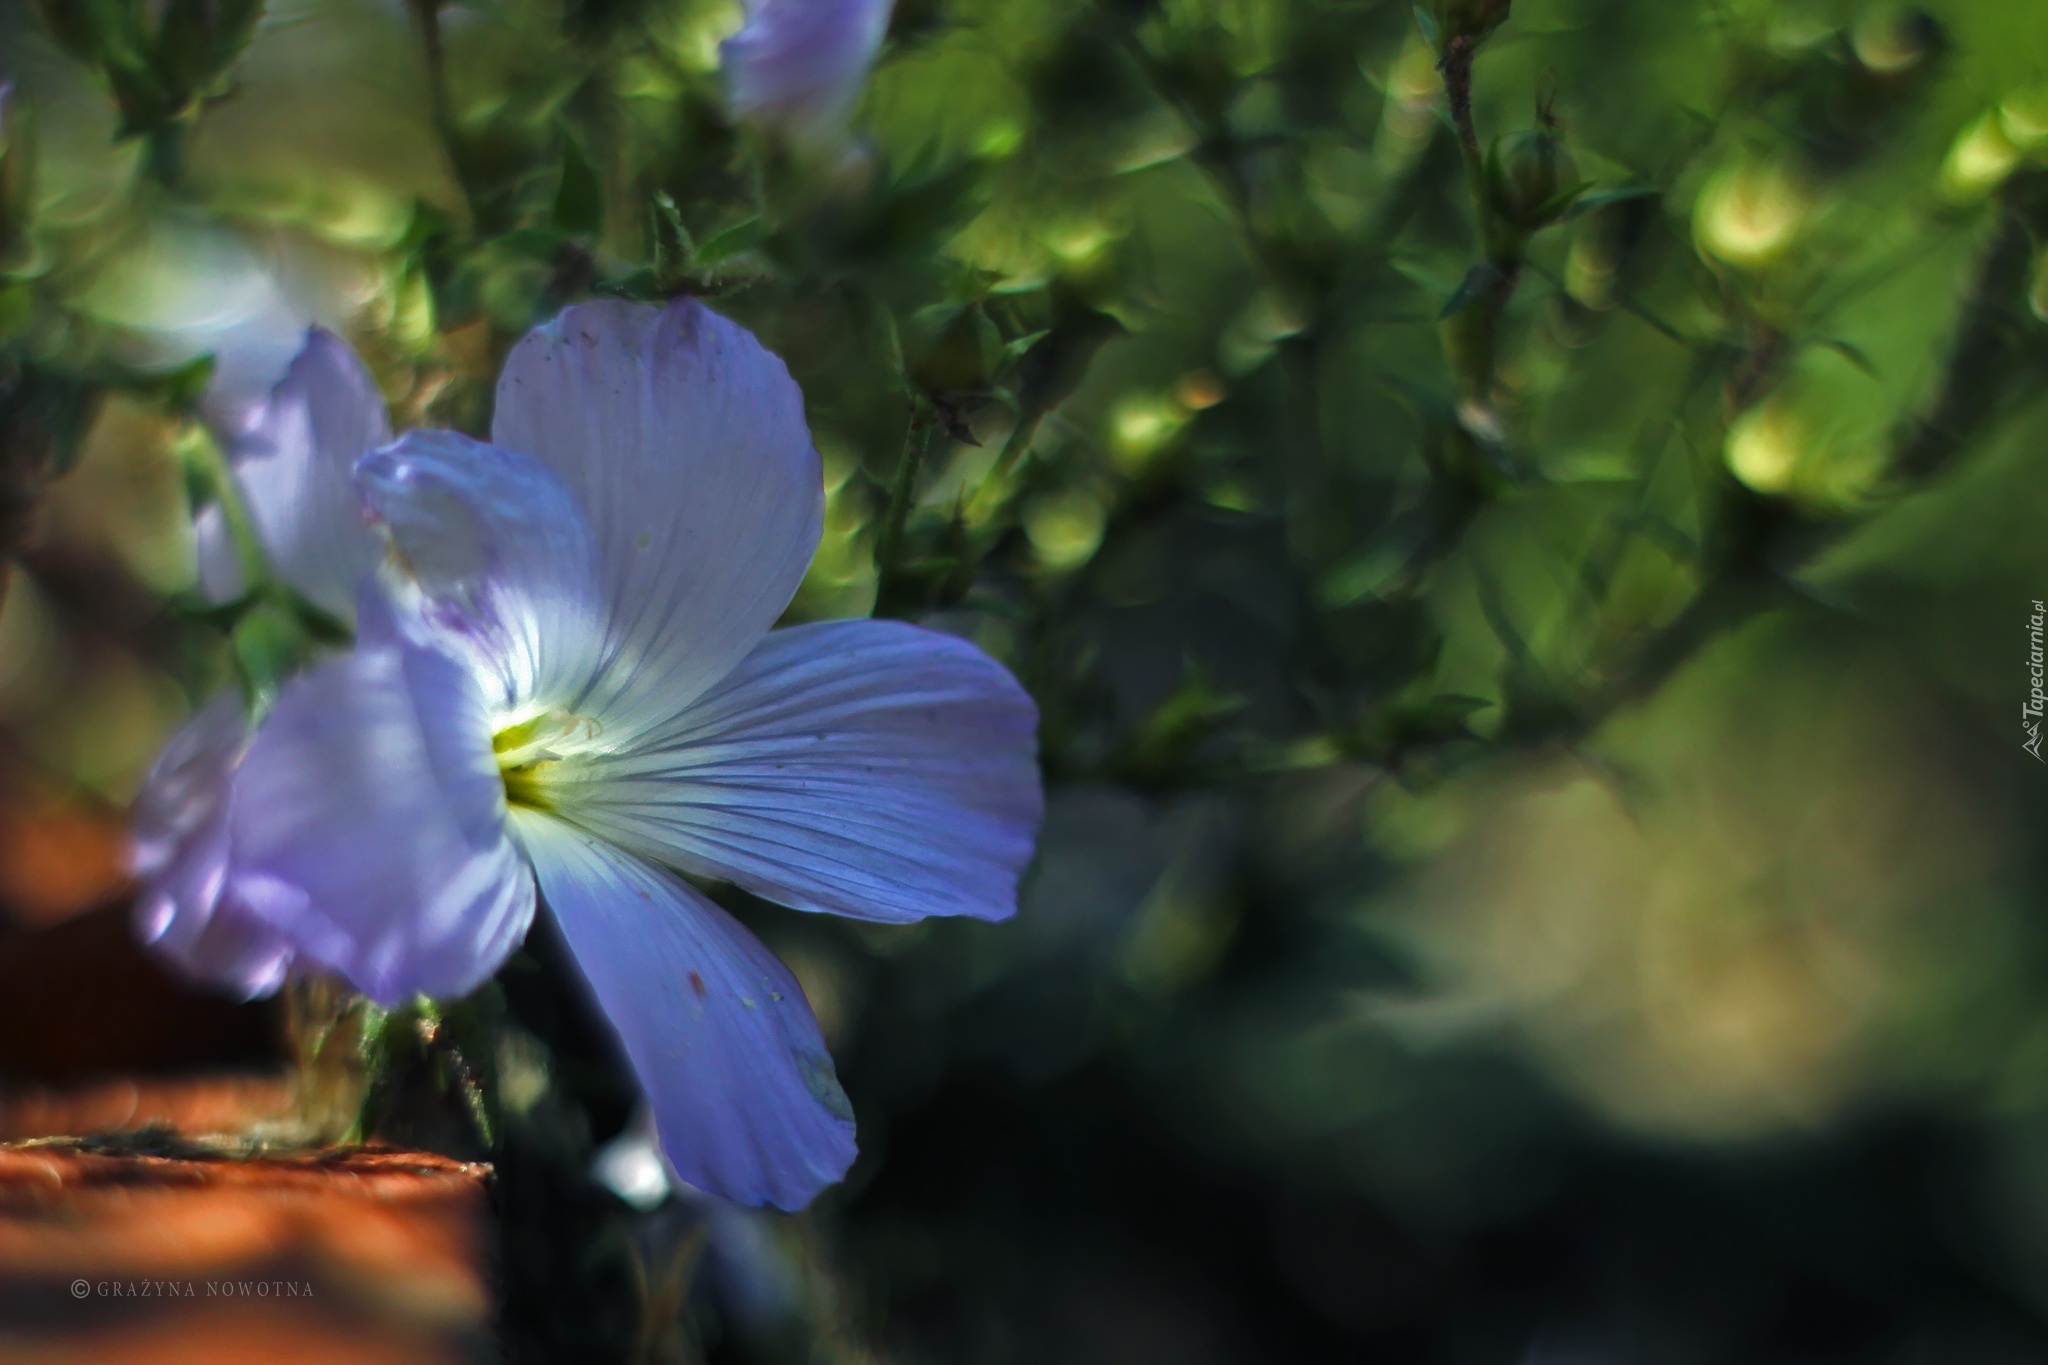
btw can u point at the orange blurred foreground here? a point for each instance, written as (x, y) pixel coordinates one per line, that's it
(348, 1255)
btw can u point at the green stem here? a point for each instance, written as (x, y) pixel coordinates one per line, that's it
(917, 443)
(1763, 544)
(326, 1026)
(249, 556)
(1472, 339)
(428, 14)
(164, 152)
(1215, 156)
(1994, 332)
(1014, 446)
(1456, 66)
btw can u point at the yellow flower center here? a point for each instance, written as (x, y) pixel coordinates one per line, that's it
(529, 749)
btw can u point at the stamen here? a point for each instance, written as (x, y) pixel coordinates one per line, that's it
(529, 748)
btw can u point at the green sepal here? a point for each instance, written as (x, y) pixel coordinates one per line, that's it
(579, 197)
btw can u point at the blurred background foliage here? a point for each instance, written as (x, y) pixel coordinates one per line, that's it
(1522, 527)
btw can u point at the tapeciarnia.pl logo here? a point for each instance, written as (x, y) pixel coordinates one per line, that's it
(2037, 696)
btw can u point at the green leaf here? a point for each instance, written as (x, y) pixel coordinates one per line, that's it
(892, 344)
(1592, 465)
(1477, 281)
(1587, 200)
(111, 36)
(266, 647)
(726, 243)
(181, 389)
(318, 622)
(1172, 737)
(1403, 725)
(675, 250)
(1422, 276)
(1852, 353)
(199, 41)
(1558, 207)
(44, 417)
(640, 286)
(222, 616)
(1442, 717)
(1016, 349)
(1427, 25)
(534, 244)
(81, 27)
(100, 33)
(1428, 405)
(919, 212)
(1368, 576)
(579, 198)
(429, 227)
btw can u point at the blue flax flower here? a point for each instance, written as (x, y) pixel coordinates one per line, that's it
(797, 66)
(292, 457)
(564, 677)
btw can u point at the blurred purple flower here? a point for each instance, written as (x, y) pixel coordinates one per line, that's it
(292, 457)
(566, 674)
(797, 66)
(186, 911)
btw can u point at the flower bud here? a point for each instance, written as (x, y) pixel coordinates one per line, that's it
(115, 42)
(2023, 118)
(1979, 161)
(1894, 42)
(962, 353)
(158, 74)
(1766, 446)
(796, 67)
(1471, 20)
(85, 32)
(200, 40)
(1751, 213)
(1525, 175)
